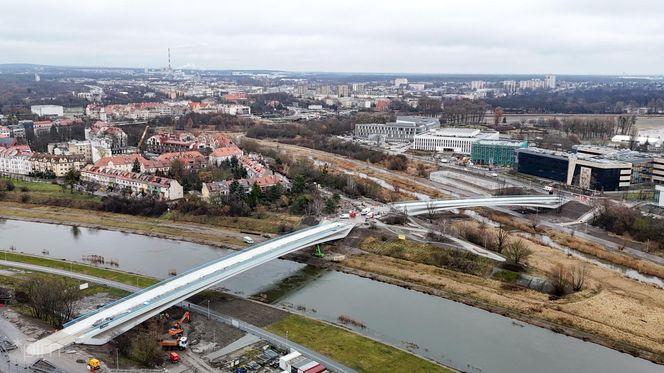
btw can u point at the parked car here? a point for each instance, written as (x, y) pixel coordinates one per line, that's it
(248, 239)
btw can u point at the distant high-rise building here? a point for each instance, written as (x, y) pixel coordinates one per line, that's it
(400, 81)
(324, 90)
(358, 87)
(343, 90)
(37, 77)
(510, 86)
(477, 84)
(550, 81)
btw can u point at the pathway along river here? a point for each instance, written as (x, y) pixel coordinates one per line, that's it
(461, 336)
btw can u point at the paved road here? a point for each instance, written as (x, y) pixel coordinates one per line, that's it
(259, 332)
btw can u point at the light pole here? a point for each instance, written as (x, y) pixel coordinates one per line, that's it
(208, 309)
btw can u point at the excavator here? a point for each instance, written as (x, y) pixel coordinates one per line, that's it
(177, 330)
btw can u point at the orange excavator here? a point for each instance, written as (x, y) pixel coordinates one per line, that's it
(177, 330)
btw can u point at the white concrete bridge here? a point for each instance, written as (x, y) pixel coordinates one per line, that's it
(434, 206)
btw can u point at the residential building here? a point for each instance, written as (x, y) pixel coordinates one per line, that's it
(254, 168)
(166, 143)
(125, 162)
(15, 160)
(101, 129)
(267, 181)
(264, 182)
(91, 150)
(59, 165)
(495, 152)
(222, 154)
(403, 130)
(5, 131)
(47, 110)
(550, 81)
(139, 184)
(192, 159)
(41, 127)
(457, 140)
(477, 84)
(223, 188)
(343, 90)
(16, 131)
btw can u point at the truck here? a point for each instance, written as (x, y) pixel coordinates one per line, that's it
(171, 344)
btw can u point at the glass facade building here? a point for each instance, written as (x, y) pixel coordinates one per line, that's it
(495, 152)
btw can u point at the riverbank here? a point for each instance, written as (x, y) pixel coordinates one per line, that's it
(347, 348)
(613, 311)
(152, 227)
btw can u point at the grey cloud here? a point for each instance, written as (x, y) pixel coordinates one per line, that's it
(473, 36)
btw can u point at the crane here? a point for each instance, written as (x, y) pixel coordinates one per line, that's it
(145, 132)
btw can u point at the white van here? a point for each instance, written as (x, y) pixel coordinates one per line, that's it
(248, 239)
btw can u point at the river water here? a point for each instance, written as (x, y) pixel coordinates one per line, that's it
(134, 253)
(461, 336)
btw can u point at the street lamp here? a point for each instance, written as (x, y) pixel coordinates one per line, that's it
(208, 309)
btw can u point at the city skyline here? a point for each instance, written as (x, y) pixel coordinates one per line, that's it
(512, 37)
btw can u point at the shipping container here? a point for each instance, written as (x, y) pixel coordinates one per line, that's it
(293, 364)
(320, 368)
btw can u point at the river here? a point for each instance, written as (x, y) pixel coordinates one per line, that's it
(461, 336)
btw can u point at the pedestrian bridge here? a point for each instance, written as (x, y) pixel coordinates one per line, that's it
(104, 324)
(434, 206)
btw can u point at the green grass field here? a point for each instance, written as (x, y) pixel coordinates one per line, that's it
(41, 191)
(124, 277)
(350, 349)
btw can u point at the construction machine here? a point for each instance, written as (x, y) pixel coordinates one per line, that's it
(94, 364)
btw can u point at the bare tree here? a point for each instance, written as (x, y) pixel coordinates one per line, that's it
(316, 206)
(535, 223)
(145, 347)
(501, 240)
(577, 276)
(558, 278)
(51, 299)
(517, 252)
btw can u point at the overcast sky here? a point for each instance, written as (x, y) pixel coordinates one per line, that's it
(416, 36)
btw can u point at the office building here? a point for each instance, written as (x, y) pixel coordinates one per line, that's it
(495, 152)
(457, 140)
(403, 130)
(658, 170)
(585, 168)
